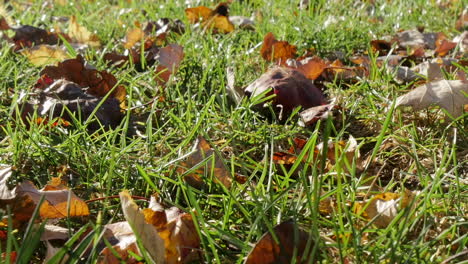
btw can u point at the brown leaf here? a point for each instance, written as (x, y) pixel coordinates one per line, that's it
(450, 95)
(55, 203)
(52, 99)
(196, 178)
(98, 83)
(312, 68)
(80, 34)
(444, 47)
(178, 231)
(149, 237)
(291, 245)
(313, 114)
(169, 58)
(277, 51)
(292, 89)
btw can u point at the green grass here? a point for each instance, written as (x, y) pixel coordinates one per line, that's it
(416, 151)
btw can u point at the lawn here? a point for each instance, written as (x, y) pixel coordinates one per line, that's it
(226, 177)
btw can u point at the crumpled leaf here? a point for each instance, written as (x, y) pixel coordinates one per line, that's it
(277, 51)
(80, 34)
(292, 89)
(217, 19)
(462, 21)
(55, 203)
(291, 246)
(178, 231)
(52, 101)
(98, 83)
(313, 114)
(43, 54)
(383, 208)
(220, 172)
(450, 95)
(149, 237)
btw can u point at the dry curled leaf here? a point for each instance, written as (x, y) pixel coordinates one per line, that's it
(196, 178)
(98, 83)
(80, 34)
(178, 231)
(290, 245)
(277, 51)
(64, 99)
(146, 233)
(383, 208)
(56, 202)
(450, 95)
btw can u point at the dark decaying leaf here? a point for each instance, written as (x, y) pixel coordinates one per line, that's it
(63, 98)
(292, 243)
(291, 87)
(98, 83)
(27, 36)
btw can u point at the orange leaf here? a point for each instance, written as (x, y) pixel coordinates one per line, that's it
(217, 19)
(277, 51)
(290, 239)
(312, 68)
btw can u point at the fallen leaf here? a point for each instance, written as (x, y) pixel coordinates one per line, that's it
(98, 83)
(169, 58)
(383, 208)
(242, 22)
(149, 237)
(52, 232)
(82, 35)
(217, 19)
(58, 203)
(291, 87)
(313, 114)
(312, 68)
(51, 102)
(450, 95)
(41, 55)
(134, 36)
(444, 47)
(290, 246)
(178, 231)
(277, 51)
(196, 179)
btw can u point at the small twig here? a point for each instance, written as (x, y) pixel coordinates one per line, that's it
(134, 197)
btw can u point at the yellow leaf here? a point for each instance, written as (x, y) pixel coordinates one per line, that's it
(44, 54)
(81, 34)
